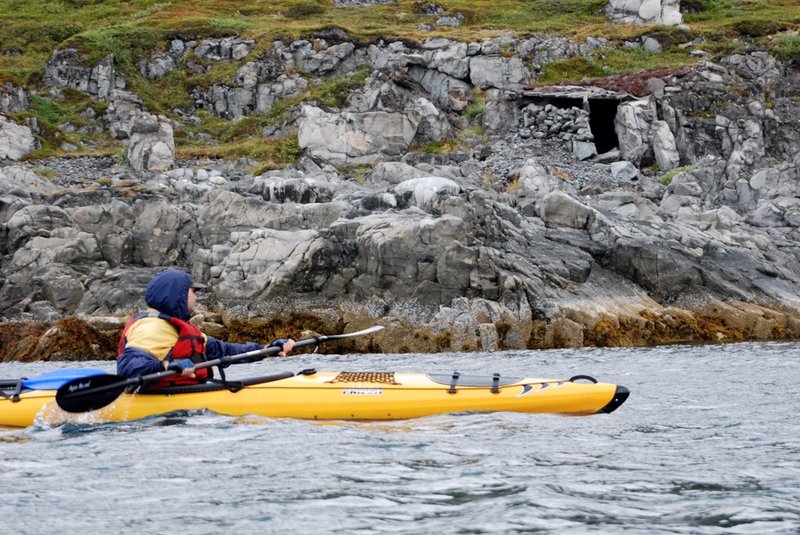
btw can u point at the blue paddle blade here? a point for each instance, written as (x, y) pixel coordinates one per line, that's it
(54, 379)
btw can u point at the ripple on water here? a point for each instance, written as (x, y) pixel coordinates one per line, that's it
(708, 443)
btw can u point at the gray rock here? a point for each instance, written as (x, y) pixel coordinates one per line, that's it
(152, 146)
(394, 173)
(498, 72)
(664, 148)
(665, 12)
(583, 150)
(13, 99)
(66, 69)
(355, 138)
(16, 140)
(421, 192)
(633, 124)
(559, 209)
(624, 171)
(225, 49)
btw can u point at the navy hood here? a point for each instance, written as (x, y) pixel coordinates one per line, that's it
(168, 292)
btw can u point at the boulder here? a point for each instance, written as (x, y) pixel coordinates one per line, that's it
(13, 99)
(421, 192)
(16, 140)
(355, 138)
(498, 72)
(665, 12)
(561, 210)
(152, 145)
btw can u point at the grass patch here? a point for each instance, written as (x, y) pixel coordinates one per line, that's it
(271, 153)
(666, 178)
(304, 9)
(445, 146)
(136, 29)
(31, 30)
(127, 43)
(610, 62)
(788, 49)
(46, 172)
(228, 25)
(475, 108)
(333, 92)
(44, 110)
(62, 121)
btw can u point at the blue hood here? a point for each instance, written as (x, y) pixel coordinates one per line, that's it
(168, 292)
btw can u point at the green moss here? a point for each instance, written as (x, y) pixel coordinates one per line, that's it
(45, 172)
(476, 107)
(666, 178)
(303, 10)
(271, 153)
(127, 43)
(228, 25)
(575, 68)
(333, 92)
(44, 110)
(445, 146)
(135, 29)
(609, 62)
(788, 49)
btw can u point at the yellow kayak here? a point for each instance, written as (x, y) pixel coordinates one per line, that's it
(327, 395)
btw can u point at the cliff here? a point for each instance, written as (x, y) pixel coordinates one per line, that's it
(438, 187)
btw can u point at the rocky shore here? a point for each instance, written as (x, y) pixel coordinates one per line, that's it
(658, 208)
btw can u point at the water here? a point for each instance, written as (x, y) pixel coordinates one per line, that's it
(708, 442)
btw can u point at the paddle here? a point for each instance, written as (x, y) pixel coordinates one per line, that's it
(51, 380)
(91, 393)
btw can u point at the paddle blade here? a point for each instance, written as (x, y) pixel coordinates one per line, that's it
(55, 379)
(90, 393)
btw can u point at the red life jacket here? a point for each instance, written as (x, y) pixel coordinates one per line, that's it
(191, 344)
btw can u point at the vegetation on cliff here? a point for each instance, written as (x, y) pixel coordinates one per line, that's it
(136, 29)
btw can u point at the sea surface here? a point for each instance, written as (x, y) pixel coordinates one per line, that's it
(708, 442)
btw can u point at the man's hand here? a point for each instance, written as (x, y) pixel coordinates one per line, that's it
(184, 366)
(286, 345)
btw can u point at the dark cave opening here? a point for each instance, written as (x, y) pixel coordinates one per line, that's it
(601, 120)
(601, 117)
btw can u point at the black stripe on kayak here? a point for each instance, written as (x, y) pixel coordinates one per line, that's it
(473, 380)
(212, 387)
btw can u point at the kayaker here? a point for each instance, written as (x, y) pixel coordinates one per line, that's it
(162, 338)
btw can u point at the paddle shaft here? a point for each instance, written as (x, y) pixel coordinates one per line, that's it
(83, 387)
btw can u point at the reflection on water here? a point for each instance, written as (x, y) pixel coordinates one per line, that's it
(707, 443)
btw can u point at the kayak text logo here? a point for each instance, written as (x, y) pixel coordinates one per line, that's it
(362, 391)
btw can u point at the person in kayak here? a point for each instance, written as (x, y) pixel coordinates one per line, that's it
(163, 339)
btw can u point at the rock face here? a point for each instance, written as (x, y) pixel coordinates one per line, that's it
(16, 140)
(356, 138)
(152, 147)
(13, 99)
(665, 12)
(66, 69)
(529, 239)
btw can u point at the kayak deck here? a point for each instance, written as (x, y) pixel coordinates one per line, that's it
(327, 395)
